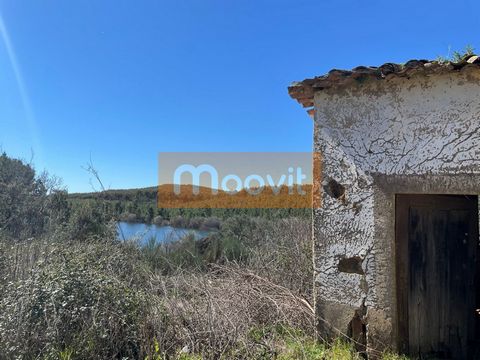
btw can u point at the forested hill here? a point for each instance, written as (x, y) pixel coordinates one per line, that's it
(147, 193)
(140, 205)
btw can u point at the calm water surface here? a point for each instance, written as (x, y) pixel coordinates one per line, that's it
(144, 232)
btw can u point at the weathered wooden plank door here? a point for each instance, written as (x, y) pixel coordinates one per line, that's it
(437, 275)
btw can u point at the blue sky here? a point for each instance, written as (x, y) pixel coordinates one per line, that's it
(121, 81)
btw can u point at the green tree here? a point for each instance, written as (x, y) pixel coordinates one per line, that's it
(118, 208)
(150, 214)
(59, 210)
(88, 220)
(23, 198)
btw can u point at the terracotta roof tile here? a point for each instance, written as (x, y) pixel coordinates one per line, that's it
(303, 91)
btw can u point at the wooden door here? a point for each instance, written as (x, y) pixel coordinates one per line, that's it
(437, 275)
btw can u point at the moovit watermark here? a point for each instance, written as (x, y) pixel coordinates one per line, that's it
(239, 180)
(253, 184)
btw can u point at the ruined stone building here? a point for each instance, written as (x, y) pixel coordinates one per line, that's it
(396, 237)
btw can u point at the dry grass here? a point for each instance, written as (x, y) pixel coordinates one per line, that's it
(213, 313)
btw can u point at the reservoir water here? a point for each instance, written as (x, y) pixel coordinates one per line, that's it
(143, 233)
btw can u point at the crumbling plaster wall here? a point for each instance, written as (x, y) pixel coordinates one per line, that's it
(422, 128)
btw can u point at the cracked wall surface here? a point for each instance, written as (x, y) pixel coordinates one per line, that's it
(418, 134)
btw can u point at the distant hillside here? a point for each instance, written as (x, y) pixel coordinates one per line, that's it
(118, 194)
(265, 198)
(141, 204)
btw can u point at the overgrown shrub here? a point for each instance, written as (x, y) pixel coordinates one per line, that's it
(279, 250)
(81, 299)
(87, 221)
(22, 199)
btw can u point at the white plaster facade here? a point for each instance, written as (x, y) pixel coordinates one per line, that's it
(379, 137)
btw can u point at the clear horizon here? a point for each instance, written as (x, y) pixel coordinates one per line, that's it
(119, 83)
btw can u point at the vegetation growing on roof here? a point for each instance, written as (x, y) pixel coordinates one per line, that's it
(456, 56)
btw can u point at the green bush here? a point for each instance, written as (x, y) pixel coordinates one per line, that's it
(392, 356)
(22, 199)
(87, 220)
(79, 301)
